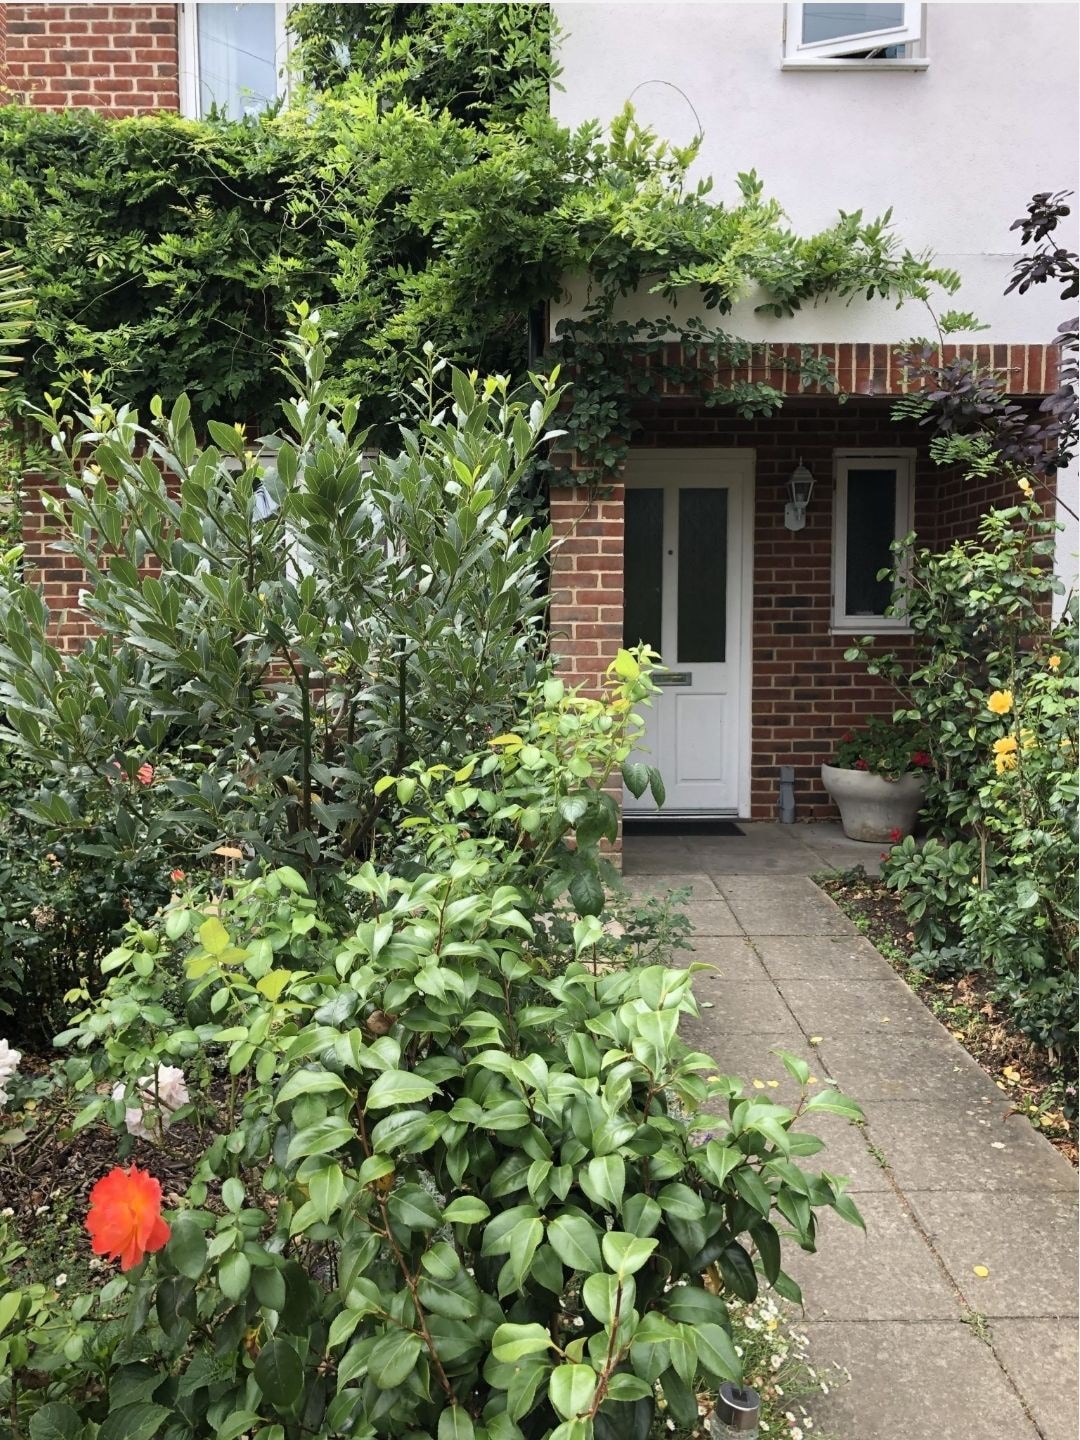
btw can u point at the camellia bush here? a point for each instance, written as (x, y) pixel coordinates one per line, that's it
(449, 1182)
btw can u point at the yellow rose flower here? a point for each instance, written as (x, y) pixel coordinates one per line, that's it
(1025, 486)
(1004, 762)
(1054, 662)
(1000, 702)
(1006, 745)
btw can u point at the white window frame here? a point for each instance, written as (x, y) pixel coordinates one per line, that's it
(902, 462)
(832, 54)
(187, 34)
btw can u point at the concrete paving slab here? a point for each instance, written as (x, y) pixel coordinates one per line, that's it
(701, 887)
(1042, 1360)
(711, 917)
(749, 1057)
(847, 1153)
(1000, 1151)
(741, 1006)
(781, 905)
(740, 855)
(888, 1273)
(820, 957)
(1029, 1247)
(930, 1381)
(645, 855)
(734, 957)
(885, 1064)
(856, 1007)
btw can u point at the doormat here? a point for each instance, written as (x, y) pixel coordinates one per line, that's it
(676, 826)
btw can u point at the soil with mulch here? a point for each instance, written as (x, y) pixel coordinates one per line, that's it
(47, 1169)
(963, 1004)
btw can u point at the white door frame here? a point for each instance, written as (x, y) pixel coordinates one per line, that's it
(647, 468)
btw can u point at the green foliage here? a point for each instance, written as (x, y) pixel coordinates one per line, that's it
(488, 64)
(16, 306)
(883, 747)
(170, 252)
(451, 1190)
(995, 886)
(60, 911)
(302, 620)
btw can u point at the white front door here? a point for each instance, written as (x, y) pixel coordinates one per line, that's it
(688, 558)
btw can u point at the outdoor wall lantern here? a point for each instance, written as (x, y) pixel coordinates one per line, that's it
(800, 488)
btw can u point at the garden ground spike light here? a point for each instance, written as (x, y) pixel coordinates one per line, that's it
(800, 488)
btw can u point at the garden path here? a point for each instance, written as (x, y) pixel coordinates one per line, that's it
(956, 1313)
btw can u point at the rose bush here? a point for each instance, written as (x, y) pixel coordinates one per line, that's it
(994, 685)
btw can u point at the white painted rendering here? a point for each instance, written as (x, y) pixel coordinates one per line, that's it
(698, 732)
(956, 149)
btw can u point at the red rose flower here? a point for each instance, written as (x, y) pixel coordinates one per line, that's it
(861, 764)
(847, 737)
(145, 774)
(895, 836)
(124, 1221)
(177, 876)
(920, 758)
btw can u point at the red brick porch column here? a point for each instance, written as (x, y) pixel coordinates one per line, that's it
(586, 583)
(586, 618)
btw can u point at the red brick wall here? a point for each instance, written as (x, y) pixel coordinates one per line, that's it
(120, 59)
(59, 575)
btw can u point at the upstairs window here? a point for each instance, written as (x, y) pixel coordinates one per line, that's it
(873, 509)
(840, 35)
(232, 56)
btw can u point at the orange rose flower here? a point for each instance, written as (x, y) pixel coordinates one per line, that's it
(145, 774)
(124, 1220)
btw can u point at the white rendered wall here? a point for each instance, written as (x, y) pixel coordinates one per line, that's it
(956, 150)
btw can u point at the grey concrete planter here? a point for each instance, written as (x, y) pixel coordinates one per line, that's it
(872, 808)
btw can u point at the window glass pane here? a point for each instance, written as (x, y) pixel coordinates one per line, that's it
(237, 58)
(871, 529)
(702, 577)
(833, 22)
(644, 559)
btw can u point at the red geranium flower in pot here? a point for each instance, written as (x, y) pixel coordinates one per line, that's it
(124, 1220)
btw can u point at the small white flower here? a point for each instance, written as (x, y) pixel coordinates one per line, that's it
(42, 1210)
(60, 1281)
(776, 1361)
(796, 1433)
(7, 1211)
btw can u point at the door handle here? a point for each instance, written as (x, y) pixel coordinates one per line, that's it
(673, 677)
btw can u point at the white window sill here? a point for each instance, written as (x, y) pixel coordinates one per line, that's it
(870, 625)
(912, 66)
